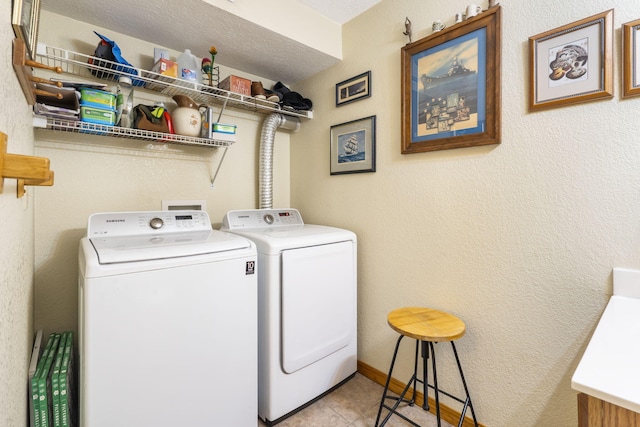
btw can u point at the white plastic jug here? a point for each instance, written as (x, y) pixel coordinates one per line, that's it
(189, 67)
(124, 103)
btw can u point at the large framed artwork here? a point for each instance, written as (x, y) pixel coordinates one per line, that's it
(572, 63)
(631, 59)
(25, 21)
(353, 146)
(451, 86)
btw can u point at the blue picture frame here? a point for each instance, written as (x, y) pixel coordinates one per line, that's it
(451, 86)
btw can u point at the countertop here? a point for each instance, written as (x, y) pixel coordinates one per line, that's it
(610, 367)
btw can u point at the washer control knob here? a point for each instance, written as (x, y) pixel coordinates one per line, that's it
(268, 218)
(156, 223)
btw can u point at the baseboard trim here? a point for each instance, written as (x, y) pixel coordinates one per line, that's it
(446, 413)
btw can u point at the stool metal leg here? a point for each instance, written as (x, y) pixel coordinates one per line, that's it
(436, 390)
(400, 399)
(467, 402)
(415, 377)
(425, 375)
(386, 385)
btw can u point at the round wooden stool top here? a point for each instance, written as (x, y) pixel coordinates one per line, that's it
(426, 324)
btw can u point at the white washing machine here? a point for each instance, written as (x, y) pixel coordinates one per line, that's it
(168, 323)
(306, 307)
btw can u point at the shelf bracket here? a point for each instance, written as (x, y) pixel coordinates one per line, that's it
(30, 170)
(213, 180)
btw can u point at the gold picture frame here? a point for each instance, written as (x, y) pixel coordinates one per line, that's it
(572, 64)
(451, 86)
(631, 59)
(25, 22)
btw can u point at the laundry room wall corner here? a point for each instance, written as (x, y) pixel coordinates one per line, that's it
(16, 243)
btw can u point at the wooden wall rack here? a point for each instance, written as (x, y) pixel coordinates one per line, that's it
(28, 170)
(22, 67)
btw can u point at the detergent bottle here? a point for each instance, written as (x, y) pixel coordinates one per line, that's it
(124, 103)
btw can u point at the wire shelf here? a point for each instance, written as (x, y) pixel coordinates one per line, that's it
(91, 67)
(77, 126)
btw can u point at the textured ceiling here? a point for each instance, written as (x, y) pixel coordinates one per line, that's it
(340, 11)
(247, 46)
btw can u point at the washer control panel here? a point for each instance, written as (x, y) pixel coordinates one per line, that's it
(261, 218)
(140, 223)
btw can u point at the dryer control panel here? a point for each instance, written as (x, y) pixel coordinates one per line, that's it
(261, 218)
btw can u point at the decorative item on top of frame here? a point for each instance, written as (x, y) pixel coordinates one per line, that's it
(25, 21)
(572, 63)
(353, 146)
(631, 59)
(451, 86)
(353, 89)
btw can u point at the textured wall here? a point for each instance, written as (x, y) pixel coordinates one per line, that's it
(16, 244)
(518, 239)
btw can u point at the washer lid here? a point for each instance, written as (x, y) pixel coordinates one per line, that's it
(140, 236)
(112, 250)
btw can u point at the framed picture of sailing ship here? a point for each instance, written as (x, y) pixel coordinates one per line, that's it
(353, 146)
(451, 86)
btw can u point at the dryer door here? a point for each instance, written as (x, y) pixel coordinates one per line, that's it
(318, 302)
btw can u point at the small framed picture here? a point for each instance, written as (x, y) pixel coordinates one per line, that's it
(572, 64)
(353, 89)
(631, 59)
(353, 146)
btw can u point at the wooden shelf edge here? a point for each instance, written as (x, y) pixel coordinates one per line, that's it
(23, 72)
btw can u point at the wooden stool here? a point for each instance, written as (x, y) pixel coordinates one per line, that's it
(426, 326)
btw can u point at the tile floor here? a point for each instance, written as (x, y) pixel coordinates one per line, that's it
(355, 404)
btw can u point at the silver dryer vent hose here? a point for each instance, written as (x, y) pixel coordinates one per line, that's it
(267, 137)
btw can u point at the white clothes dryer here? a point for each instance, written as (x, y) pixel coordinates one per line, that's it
(307, 288)
(168, 323)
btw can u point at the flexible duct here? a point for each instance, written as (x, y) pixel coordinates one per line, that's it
(267, 137)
